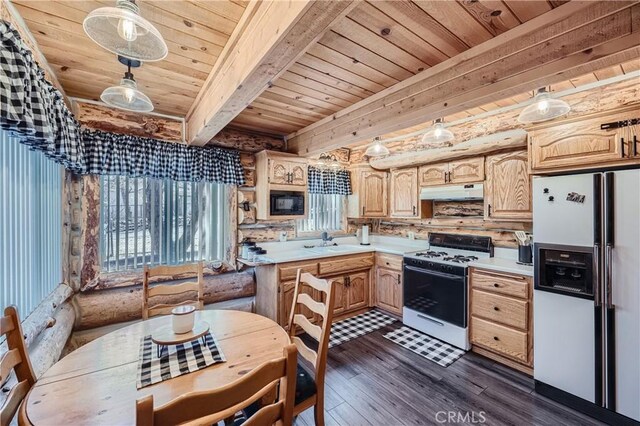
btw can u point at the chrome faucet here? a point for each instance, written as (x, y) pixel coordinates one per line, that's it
(325, 238)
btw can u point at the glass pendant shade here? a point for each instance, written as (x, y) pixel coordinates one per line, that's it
(376, 149)
(123, 31)
(543, 108)
(127, 96)
(437, 133)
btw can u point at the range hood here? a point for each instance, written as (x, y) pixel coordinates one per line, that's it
(473, 191)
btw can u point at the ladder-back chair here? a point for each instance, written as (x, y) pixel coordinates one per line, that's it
(16, 359)
(310, 388)
(168, 290)
(210, 407)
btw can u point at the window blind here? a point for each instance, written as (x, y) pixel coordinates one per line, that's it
(30, 225)
(325, 214)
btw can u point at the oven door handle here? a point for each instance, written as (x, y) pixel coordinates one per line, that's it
(434, 273)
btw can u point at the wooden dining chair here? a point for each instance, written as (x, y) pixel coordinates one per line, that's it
(16, 359)
(210, 407)
(148, 292)
(310, 387)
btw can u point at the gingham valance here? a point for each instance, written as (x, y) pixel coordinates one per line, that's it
(329, 182)
(34, 110)
(112, 154)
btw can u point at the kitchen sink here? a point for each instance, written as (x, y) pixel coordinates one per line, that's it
(335, 249)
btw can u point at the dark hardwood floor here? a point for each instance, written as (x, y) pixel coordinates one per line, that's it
(372, 381)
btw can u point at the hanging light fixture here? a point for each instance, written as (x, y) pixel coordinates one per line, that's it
(126, 95)
(123, 31)
(328, 162)
(376, 149)
(438, 134)
(543, 108)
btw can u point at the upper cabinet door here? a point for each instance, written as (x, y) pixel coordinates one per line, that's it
(298, 174)
(508, 187)
(433, 174)
(403, 194)
(278, 172)
(373, 193)
(581, 144)
(466, 171)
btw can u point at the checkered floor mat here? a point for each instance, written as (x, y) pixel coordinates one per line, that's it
(350, 328)
(426, 346)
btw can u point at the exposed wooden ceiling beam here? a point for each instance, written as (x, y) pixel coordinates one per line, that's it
(575, 38)
(269, 38)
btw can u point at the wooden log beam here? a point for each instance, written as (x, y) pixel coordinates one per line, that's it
(270, 37)
(575, 38)
(47, 350)
(512, 139)
(43, 316)
(97, 308)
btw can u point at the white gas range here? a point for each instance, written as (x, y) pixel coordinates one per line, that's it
(435, 286)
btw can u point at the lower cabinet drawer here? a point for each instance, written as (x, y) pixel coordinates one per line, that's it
(389, 261)
(505, 310)
(345, 264)
(498, 338)
(289, 271)
(510, 285)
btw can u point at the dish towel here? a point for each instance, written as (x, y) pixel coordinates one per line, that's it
(175, 360)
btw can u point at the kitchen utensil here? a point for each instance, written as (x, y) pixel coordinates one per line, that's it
(522, 237)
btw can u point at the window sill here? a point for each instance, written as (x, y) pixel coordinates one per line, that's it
(132, 278)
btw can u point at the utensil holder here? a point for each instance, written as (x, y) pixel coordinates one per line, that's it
(525, 254)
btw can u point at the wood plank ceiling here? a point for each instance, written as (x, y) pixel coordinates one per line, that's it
(379, 44)
(195, 33)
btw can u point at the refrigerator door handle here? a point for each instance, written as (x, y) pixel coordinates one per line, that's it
(608, 276)
(597, 273)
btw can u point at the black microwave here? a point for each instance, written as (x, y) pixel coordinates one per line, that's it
(286, 203)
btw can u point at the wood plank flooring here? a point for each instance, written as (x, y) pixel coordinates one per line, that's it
(372, 381)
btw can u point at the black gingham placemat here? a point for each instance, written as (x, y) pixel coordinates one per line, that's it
(350, 328)
(175, 360)
(426, 346)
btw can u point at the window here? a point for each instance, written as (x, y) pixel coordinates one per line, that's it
(30, 225)
(326, 213)
(150, 221)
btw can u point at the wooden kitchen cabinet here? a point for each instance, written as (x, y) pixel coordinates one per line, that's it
(287, 171)
(275, 285)
(433, 174)
(388, 283)
(279, 171)
(579, 143)
(500, 312)
(468, 170)
(403, 193)
(507, 192)
(369, 197)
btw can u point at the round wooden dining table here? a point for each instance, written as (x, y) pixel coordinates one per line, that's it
(96, 384)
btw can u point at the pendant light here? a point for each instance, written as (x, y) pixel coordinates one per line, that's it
(543, 108)
(376, 149)
(126, 95)
(123, 31)
(438, 134)
(328, 162)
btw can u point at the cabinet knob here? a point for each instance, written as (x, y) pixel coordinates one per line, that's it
(495, 308)
(496, 285)
(495, 338)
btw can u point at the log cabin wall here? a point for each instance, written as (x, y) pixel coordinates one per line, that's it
(466, 216)
(105, 299)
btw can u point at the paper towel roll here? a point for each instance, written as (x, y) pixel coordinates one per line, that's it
(365, 235)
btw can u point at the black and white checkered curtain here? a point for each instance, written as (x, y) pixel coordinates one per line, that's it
(329, 182)
(124, 155)
(32, 109)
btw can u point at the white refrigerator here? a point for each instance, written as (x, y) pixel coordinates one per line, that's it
(586, 301)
